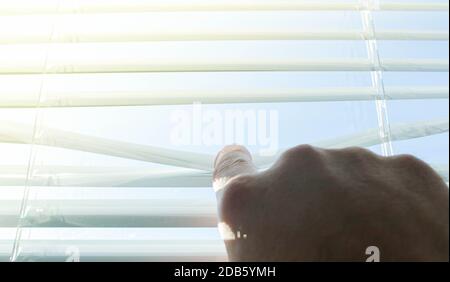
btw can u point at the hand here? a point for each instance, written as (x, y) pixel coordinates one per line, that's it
(330, 205)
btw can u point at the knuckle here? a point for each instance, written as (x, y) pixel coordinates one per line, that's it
(358, 151)
(413, 164)
(301, 153)
(409, 161)
(360, 155)
(418, 174)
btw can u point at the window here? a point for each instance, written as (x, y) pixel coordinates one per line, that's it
(111, 112)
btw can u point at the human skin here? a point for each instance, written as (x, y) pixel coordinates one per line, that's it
(331, 205)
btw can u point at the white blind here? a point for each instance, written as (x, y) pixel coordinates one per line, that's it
(89, 90)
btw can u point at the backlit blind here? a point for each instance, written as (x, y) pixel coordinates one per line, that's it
(95, 94)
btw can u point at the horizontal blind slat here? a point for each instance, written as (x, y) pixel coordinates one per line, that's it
(90, 176)
(8, 7)
(198, 64)
(218, 95)
(110, 207)
(116, 244)
(139, 33)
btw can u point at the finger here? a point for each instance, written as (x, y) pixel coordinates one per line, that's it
(231, 162)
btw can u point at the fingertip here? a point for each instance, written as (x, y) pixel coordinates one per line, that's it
(232, 149)
(231, 161)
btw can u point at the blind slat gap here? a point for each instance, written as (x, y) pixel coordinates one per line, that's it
(11, 132)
